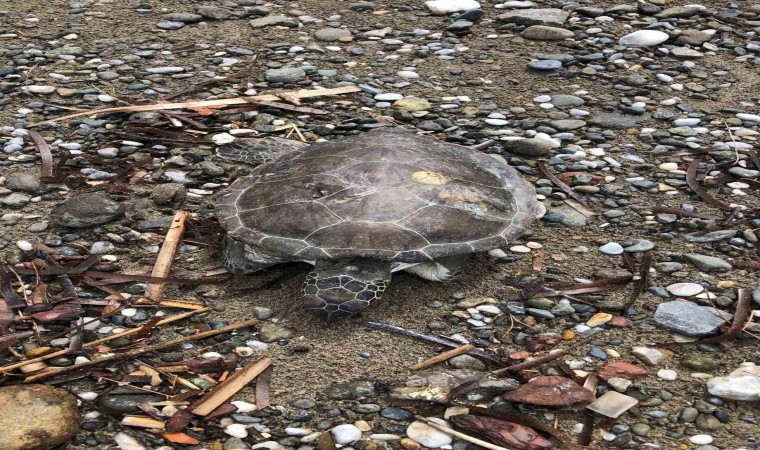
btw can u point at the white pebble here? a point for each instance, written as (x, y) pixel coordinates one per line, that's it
(701, 439)
(346, 433)
(24, 245)
(127, 442)
(427, 435)
(237, 430)
(667, 374)
(88, 395)
(243, 407)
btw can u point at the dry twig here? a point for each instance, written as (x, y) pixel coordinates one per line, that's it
(166, 255)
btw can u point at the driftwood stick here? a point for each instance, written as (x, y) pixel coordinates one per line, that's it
(303, 93)
(442, 357)
(429, 338)
(141, 350)
(169, 249)
(229, 387)
(169, 319)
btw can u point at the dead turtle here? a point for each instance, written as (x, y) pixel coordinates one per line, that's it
(362, 207)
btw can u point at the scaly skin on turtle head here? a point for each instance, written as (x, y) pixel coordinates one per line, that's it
(344, 287)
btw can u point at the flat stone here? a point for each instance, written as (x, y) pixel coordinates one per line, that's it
(545, 64)
(644, 38)
(274, 20)
(331, 34)
(183, 17)
(612, 404)
(538, 16)
(285, 75)
(86, 210)
(546, 33)
(685, 52)
(685, 289)
(527, 147)
(742, 384)
(707, 263)
(611, 248)
(615, 120)
(451, 6)
(688, 318)
(412, 104)
(36, 417)
(650, 356)
(25, 182)
(214, 12)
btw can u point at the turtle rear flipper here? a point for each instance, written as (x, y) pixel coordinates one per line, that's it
(259, 150)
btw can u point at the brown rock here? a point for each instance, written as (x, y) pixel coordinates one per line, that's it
(36, 417)
(621, 369)
(550, 391)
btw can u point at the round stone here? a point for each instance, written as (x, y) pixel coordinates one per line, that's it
(36, 417)
(701, 439)
(345, 434)
(667, 374)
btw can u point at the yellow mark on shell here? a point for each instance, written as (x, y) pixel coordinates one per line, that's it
(434, 178)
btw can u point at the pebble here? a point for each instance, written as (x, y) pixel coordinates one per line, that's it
(428, 436)
(42, 417)
(684, 289)
(346, 434)
(237, 430)
(611, 248)
(644, 38)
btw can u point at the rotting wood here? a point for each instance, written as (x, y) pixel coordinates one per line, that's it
(46, 172)
(97, 342)
(141, 350)
(142, 422)
(522, 419)
(230, 387)
(559, 183)
(442, 357)
(114, 278)
(303, 93)
(473, 381)
(646, 264)
(262, 389)
(460, 435)
(691, 180)
(166, 255)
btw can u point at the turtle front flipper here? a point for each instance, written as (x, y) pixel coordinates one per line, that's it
(242, 259)
(440, 269)
(342, 288)
(259, 150)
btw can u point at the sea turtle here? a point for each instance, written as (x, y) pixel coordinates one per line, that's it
(364, 206)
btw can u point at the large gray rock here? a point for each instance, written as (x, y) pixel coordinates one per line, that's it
(688, 318)
(86, 210)
(539, 16)
(36, 417)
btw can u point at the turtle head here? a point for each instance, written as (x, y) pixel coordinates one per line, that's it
(342, 288)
